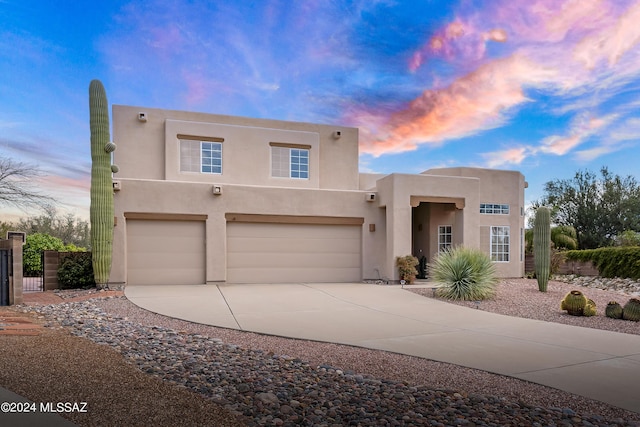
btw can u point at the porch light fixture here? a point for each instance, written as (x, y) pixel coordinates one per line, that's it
(217, 190)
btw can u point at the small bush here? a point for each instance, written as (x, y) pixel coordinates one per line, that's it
(76, 271)
(464, 274)
(407, 267)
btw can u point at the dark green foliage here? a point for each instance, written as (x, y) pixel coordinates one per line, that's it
(598, 207)
(76, 271)
(574, 302)
(407, 268)
(464, 274)
(612, 261)
(32, 252)
(542, 247)
(631, 310)
(613, 310)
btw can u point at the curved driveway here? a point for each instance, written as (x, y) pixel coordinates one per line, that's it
(597, 364)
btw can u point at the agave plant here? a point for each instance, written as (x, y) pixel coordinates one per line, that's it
(464, 274)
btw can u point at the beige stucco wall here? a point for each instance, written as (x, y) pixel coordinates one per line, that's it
(149, 150)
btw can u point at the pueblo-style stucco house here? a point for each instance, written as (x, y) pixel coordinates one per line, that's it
(203, 198)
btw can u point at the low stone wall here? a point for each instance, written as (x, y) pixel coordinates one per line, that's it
(579, 268)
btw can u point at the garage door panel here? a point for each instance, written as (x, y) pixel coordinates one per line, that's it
(165, 252)
(283, 253)
(291, 260)
(295, 275)
(156, 260)
(297, 244)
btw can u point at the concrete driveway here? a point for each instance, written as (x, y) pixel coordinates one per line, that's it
(597, 364)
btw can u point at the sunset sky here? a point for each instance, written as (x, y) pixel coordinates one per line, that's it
(546, 87)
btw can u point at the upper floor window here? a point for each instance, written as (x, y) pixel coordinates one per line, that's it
(289, 161)
(204, 156)
(492, 208)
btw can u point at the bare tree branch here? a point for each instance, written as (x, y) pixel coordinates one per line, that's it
(18, 188)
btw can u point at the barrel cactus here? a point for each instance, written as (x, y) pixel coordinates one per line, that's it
(574, 302)
(613, 310)
(589, 309)
(542, 247)
(101, 209)
(631, 310)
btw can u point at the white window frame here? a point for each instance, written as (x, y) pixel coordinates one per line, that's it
(500, 243)
(195, 153)
(289, 162)
(494, 208)
(214, 148)
(445, 238)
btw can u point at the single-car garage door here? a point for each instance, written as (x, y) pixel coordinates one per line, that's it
(163, 252)
(289, 253)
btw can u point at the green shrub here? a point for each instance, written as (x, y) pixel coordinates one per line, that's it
(611, 261)
(76, 271)
(32, 252)
(464, 274)
(407, 267)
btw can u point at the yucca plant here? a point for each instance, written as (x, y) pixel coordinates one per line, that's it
(464, 274)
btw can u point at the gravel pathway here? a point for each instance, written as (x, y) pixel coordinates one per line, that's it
(276, 381)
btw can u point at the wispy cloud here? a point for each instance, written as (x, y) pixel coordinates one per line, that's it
(564, 49)
(511, 156)
(582, 128)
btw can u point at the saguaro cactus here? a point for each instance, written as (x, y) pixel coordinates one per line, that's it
(542, 247)
(101, 211)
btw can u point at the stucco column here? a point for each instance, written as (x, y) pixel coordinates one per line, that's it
(398, 236)
(15, 283)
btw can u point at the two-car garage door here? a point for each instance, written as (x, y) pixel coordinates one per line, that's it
(173, 252)
(287, 253)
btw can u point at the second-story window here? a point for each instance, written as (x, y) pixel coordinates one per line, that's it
(201, 156)
(494, 208)
(289, 162)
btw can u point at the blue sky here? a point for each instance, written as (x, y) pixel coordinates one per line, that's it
(546, 87)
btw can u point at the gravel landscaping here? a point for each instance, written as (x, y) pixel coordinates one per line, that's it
(266, 380)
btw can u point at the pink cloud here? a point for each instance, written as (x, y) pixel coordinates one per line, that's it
(457, 41)
(553, 48)
(474, 102)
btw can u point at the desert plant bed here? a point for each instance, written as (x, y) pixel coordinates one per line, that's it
(521, 298)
